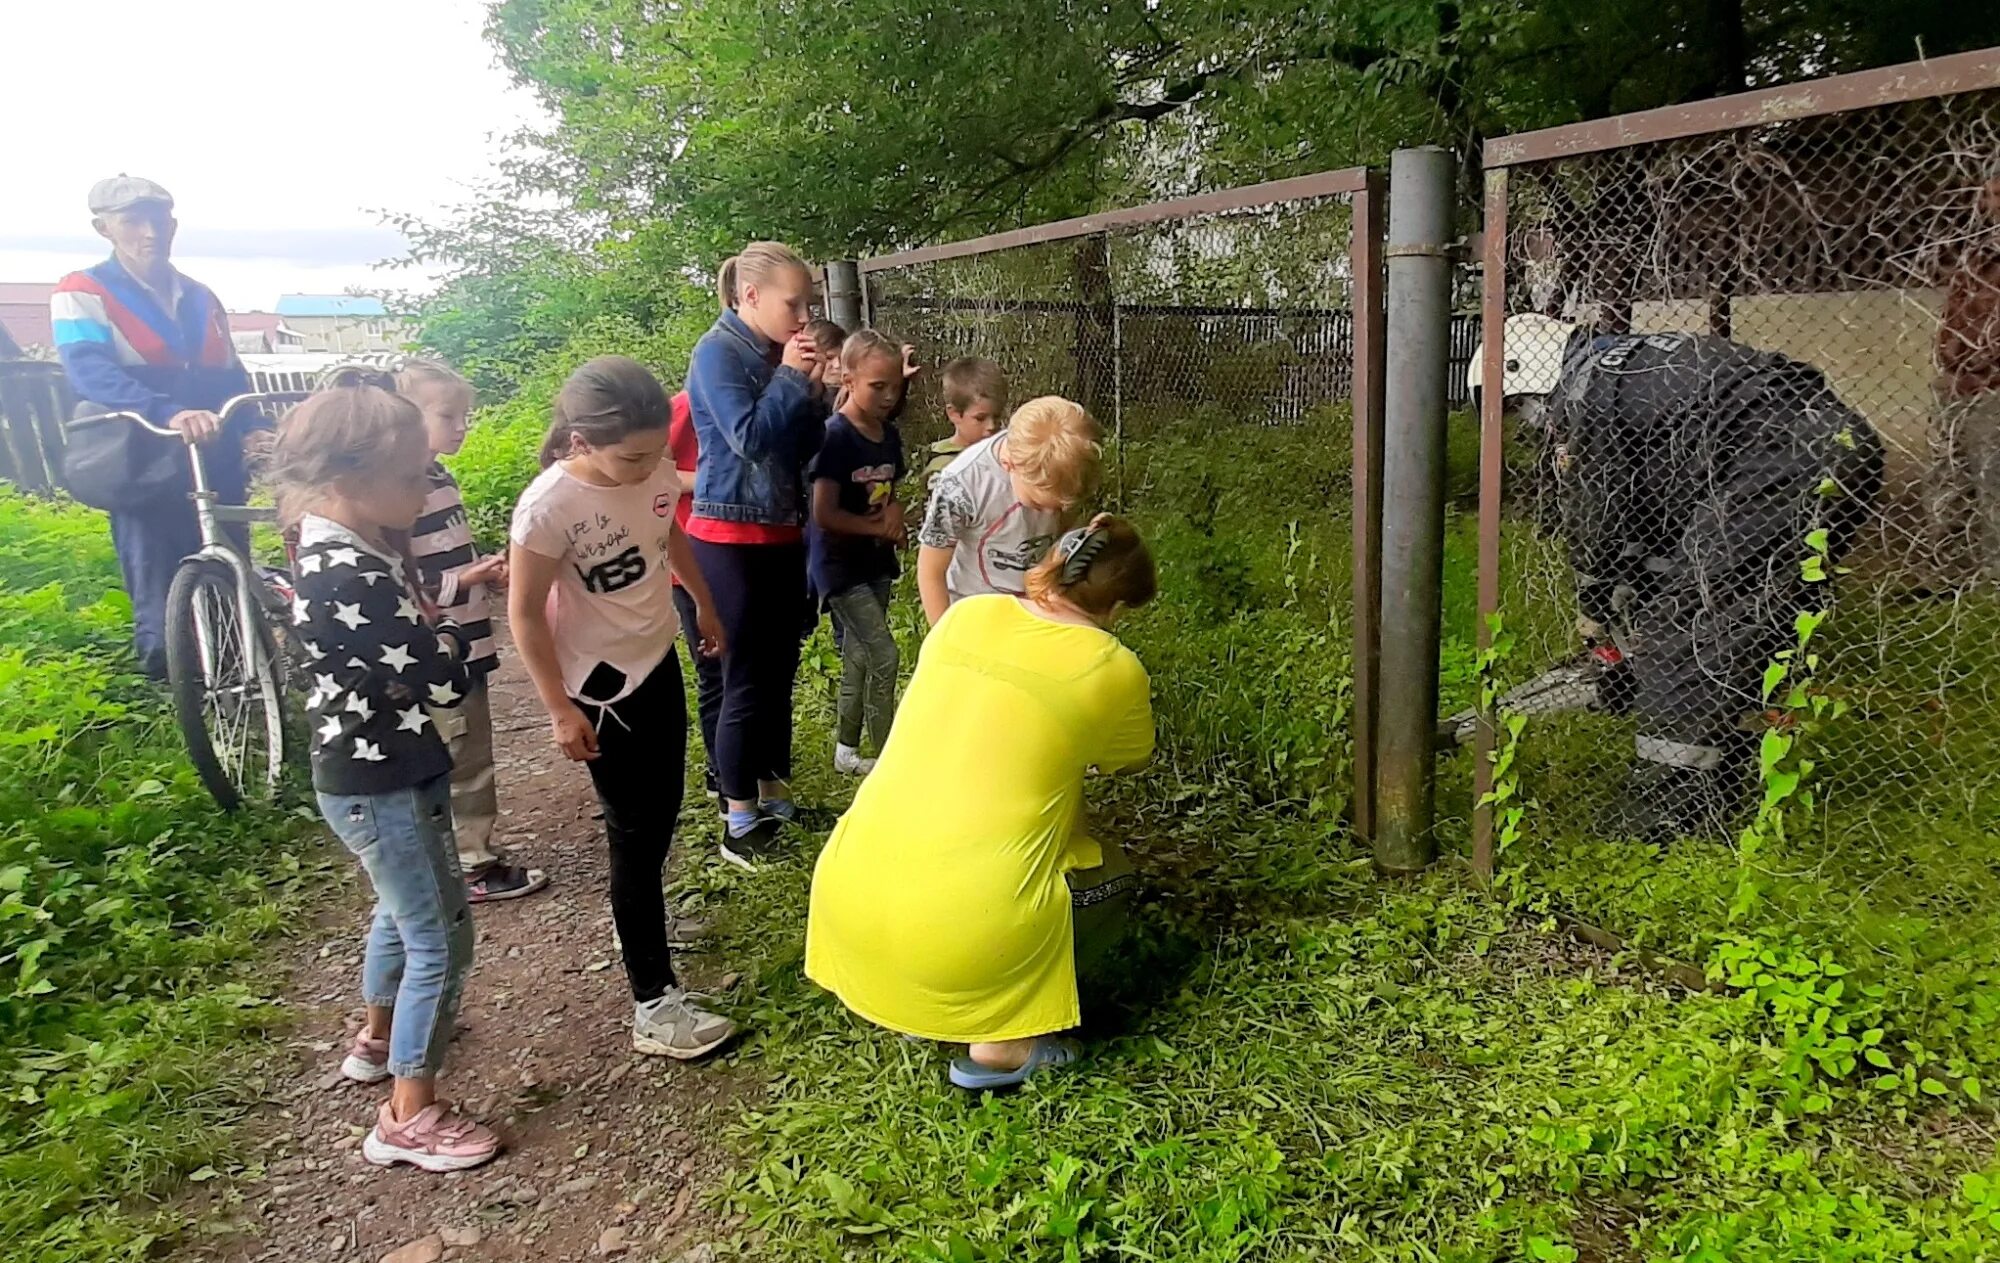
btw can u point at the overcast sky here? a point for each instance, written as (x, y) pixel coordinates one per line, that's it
(280, 126)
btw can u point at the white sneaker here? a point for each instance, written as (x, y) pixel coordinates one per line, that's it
(848, 761)
(675, 1026)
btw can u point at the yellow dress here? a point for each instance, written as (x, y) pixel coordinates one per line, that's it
(939, 906)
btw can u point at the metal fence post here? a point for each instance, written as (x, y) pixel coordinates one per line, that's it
(1492, 347)
(843, 293)
(1365, 255)
(1417, 350)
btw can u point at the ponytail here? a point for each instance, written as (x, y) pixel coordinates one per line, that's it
(759, 261)
(725, 283)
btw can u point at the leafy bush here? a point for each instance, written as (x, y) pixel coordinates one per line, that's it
(126, 904)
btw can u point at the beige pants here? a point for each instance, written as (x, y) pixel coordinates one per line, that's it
(475, 805)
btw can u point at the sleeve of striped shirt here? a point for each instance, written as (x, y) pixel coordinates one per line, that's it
(90, 357)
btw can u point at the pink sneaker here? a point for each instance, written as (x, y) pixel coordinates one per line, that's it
(368, 1059)
(435, 1139)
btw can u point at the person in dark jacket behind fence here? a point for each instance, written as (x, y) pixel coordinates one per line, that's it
(134, 335)
(1689, 475)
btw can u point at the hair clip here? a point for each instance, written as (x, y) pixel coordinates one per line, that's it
(1077, 549)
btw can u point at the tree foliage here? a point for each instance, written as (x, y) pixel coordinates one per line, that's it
(683, 129)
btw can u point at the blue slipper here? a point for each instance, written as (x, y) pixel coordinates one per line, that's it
(1047, 1053)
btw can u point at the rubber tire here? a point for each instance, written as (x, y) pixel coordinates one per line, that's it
(185, 678)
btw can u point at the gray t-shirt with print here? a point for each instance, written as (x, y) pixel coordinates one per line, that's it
(994, 538)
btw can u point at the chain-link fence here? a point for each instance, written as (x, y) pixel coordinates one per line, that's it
(1222, 343)
(1750, 376)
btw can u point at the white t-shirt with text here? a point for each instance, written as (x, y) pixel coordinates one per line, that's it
(994, 538)
(612, 602)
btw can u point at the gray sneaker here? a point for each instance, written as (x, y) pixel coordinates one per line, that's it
(675, 1026)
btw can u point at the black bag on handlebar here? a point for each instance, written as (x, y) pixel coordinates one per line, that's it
(115, 464)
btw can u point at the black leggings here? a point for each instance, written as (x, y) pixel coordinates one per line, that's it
(757, 589)
(707, 675)
(640, 771)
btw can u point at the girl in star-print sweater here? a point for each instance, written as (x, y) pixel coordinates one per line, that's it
(350, 466)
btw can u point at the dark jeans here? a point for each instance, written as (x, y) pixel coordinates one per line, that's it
(868, 662)
(640, 771)
(757, 589)
(707, 676)
(150, 545)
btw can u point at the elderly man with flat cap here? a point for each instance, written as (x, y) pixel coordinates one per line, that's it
(135, 335)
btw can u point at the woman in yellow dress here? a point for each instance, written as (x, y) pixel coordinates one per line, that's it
(940, 907)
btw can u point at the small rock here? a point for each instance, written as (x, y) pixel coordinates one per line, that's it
(618, 1073)
(582, 1184)
(703, 1253)
(730, 980)
(331, 1080)
(423, 1250)
(462, 1238)
(611, 1241)
(623, 1209)
(345, 1143)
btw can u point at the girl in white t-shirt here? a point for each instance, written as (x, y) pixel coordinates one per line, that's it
(592, 608)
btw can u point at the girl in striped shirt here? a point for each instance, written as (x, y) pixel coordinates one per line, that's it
(456, 579)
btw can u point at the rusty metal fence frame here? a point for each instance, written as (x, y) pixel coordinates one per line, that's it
(1364, 190)
(1894, 85)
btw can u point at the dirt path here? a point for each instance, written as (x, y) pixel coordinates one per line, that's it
(606, 1150)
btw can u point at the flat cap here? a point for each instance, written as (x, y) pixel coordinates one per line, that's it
(123, 192)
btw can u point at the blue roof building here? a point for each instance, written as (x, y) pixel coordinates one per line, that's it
(351, 305)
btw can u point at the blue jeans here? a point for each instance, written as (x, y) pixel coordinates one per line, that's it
(420, 945)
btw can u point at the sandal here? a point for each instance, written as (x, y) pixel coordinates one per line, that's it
(1048, 1053)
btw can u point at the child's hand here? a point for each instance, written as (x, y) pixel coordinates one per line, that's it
(489, 570)
(801, 354)
(573, 733)
(910, 366)
(892, 526)
(708, 627)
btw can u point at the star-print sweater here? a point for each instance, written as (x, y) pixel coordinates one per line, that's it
(375, 665)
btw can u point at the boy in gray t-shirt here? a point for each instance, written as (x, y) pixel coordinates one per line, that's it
(997, 508)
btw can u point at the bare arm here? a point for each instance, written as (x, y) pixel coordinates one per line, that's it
(932, 566)
(527, 614)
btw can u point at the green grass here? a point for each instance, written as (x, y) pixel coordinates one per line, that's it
(1298, 1061)
(128, 908)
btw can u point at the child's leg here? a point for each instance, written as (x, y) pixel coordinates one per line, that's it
(849, 710)
(707, 679)
(416, 876)
(728, 569)
(884, 660)
(638, 774)
(779, 577)
(475, 806)
(381, 972)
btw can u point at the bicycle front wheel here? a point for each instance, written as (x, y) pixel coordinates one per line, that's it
(228, 698)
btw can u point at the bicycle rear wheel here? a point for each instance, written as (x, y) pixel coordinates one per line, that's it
(228, 699)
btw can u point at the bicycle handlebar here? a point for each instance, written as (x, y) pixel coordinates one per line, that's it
(253, 398)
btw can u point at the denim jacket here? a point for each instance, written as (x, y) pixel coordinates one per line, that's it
(757, 424)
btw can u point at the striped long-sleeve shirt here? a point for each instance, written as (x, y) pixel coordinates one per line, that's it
(440, 546)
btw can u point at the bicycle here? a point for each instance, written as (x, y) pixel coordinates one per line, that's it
(224, 620)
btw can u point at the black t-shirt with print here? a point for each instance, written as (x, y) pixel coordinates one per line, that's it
(866, 471)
